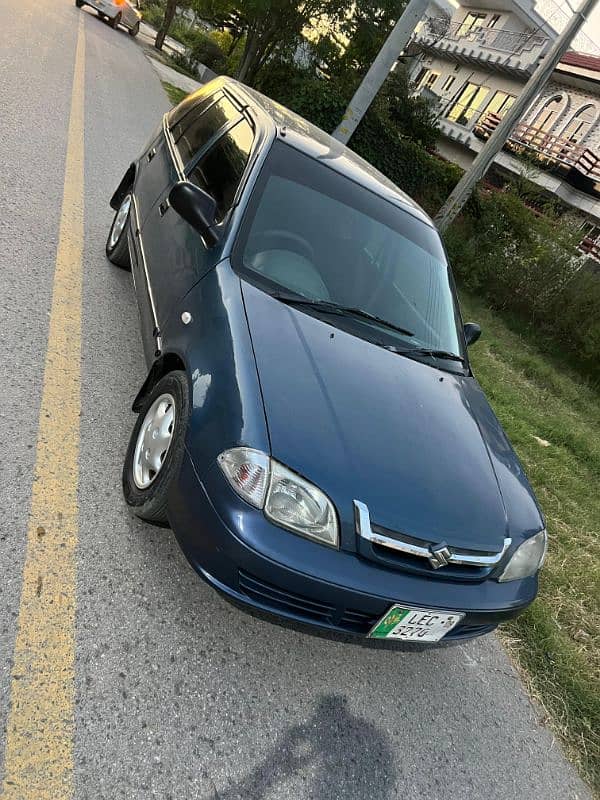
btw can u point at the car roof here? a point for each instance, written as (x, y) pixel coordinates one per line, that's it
(308, 138)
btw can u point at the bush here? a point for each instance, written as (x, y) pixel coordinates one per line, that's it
(231, 49)
(153, 14)
(323, 101)
(204, 50)
(201, 49)
(528, 263)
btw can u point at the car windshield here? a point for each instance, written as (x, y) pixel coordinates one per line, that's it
(310, 233)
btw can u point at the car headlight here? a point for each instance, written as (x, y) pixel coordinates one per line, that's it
(527, 558)
(287, 499)
(247, 471)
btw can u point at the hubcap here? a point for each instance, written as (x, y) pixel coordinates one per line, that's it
(154, 440)
(119, 222)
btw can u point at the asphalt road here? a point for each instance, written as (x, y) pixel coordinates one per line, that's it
(177, 694)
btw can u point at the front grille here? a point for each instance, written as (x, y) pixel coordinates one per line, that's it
(349, 619)
(402, 551)
(358, 621)
(467, 631)
(410, 563)
(277, 599)
(282, 600)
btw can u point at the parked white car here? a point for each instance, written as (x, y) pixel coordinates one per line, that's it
(117, 12)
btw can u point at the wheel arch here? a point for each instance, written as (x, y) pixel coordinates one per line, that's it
(165, 363)
(126, 183)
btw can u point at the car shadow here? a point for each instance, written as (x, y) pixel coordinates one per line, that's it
(323, 748)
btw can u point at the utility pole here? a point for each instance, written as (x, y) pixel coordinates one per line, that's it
(461, 193)
(380, 69)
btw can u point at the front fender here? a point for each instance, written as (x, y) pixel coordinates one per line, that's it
(226, 400)
(126, 183)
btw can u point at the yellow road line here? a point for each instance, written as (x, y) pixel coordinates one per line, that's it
(38, 762)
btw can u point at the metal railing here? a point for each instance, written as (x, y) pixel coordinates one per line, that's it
(590, 247)
(505, 41)
(547, 148)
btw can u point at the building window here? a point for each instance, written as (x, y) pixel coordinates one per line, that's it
(494, 20)
(422, 72)
(428, 79)
(500, 103)
(467, 104)
(470, 23)
(580, 123)
(547, 115)
(448, 83)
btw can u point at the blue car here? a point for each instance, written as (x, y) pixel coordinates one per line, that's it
(310, 426)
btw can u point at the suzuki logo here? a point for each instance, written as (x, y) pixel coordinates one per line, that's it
(439, 555)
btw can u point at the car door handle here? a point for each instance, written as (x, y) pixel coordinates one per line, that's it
(151, 154)
(163, 207)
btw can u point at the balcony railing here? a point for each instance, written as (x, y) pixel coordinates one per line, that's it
(546, 146)
(579, 164)
(590, 247)
(504, 41)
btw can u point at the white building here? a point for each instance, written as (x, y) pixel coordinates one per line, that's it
(474, 65)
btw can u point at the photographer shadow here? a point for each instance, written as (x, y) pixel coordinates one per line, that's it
(334, 753)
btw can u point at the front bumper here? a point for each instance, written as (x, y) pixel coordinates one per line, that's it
(257, 565)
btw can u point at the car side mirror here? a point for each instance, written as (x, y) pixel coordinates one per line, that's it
(195, 206)
(472, 332)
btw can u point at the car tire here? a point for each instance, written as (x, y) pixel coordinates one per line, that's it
(117, 247)
(79, 3)
(114, 22)
(135, 30)
(146, 489)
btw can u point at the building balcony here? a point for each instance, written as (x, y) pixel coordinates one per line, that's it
(591, 247)
(511, 52)
(575, 163)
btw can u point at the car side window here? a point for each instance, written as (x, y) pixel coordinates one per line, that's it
(220, 170)
(201, 124)
(199, 97)
(189, 108)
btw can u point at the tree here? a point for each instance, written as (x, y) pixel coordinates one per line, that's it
(161, 34)
(359, 35)
(414, 117)
(267, 27)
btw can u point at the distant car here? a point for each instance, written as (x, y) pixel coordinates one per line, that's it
(310, 425)
(117, 12)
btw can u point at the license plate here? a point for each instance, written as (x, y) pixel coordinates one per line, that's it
(414, 624)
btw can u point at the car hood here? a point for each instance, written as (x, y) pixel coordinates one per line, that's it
(419, 446)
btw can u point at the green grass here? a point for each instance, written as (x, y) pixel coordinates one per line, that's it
(175, 94)
(557, 641)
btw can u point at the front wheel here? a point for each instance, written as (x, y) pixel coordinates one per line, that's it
(79, 3)
(117, 248)
(156, 447)
(135, 30)
(114, 21)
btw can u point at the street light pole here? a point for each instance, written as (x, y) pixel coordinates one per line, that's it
(461, 193)
(380, 69)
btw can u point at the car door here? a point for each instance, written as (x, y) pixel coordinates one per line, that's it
(157, 168)
(214, 146)
(129, 16)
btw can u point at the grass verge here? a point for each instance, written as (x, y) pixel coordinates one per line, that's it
(175, 94)
(553, 419)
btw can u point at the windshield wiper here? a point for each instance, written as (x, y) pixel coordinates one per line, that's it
(425, 351)
(333, 308)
